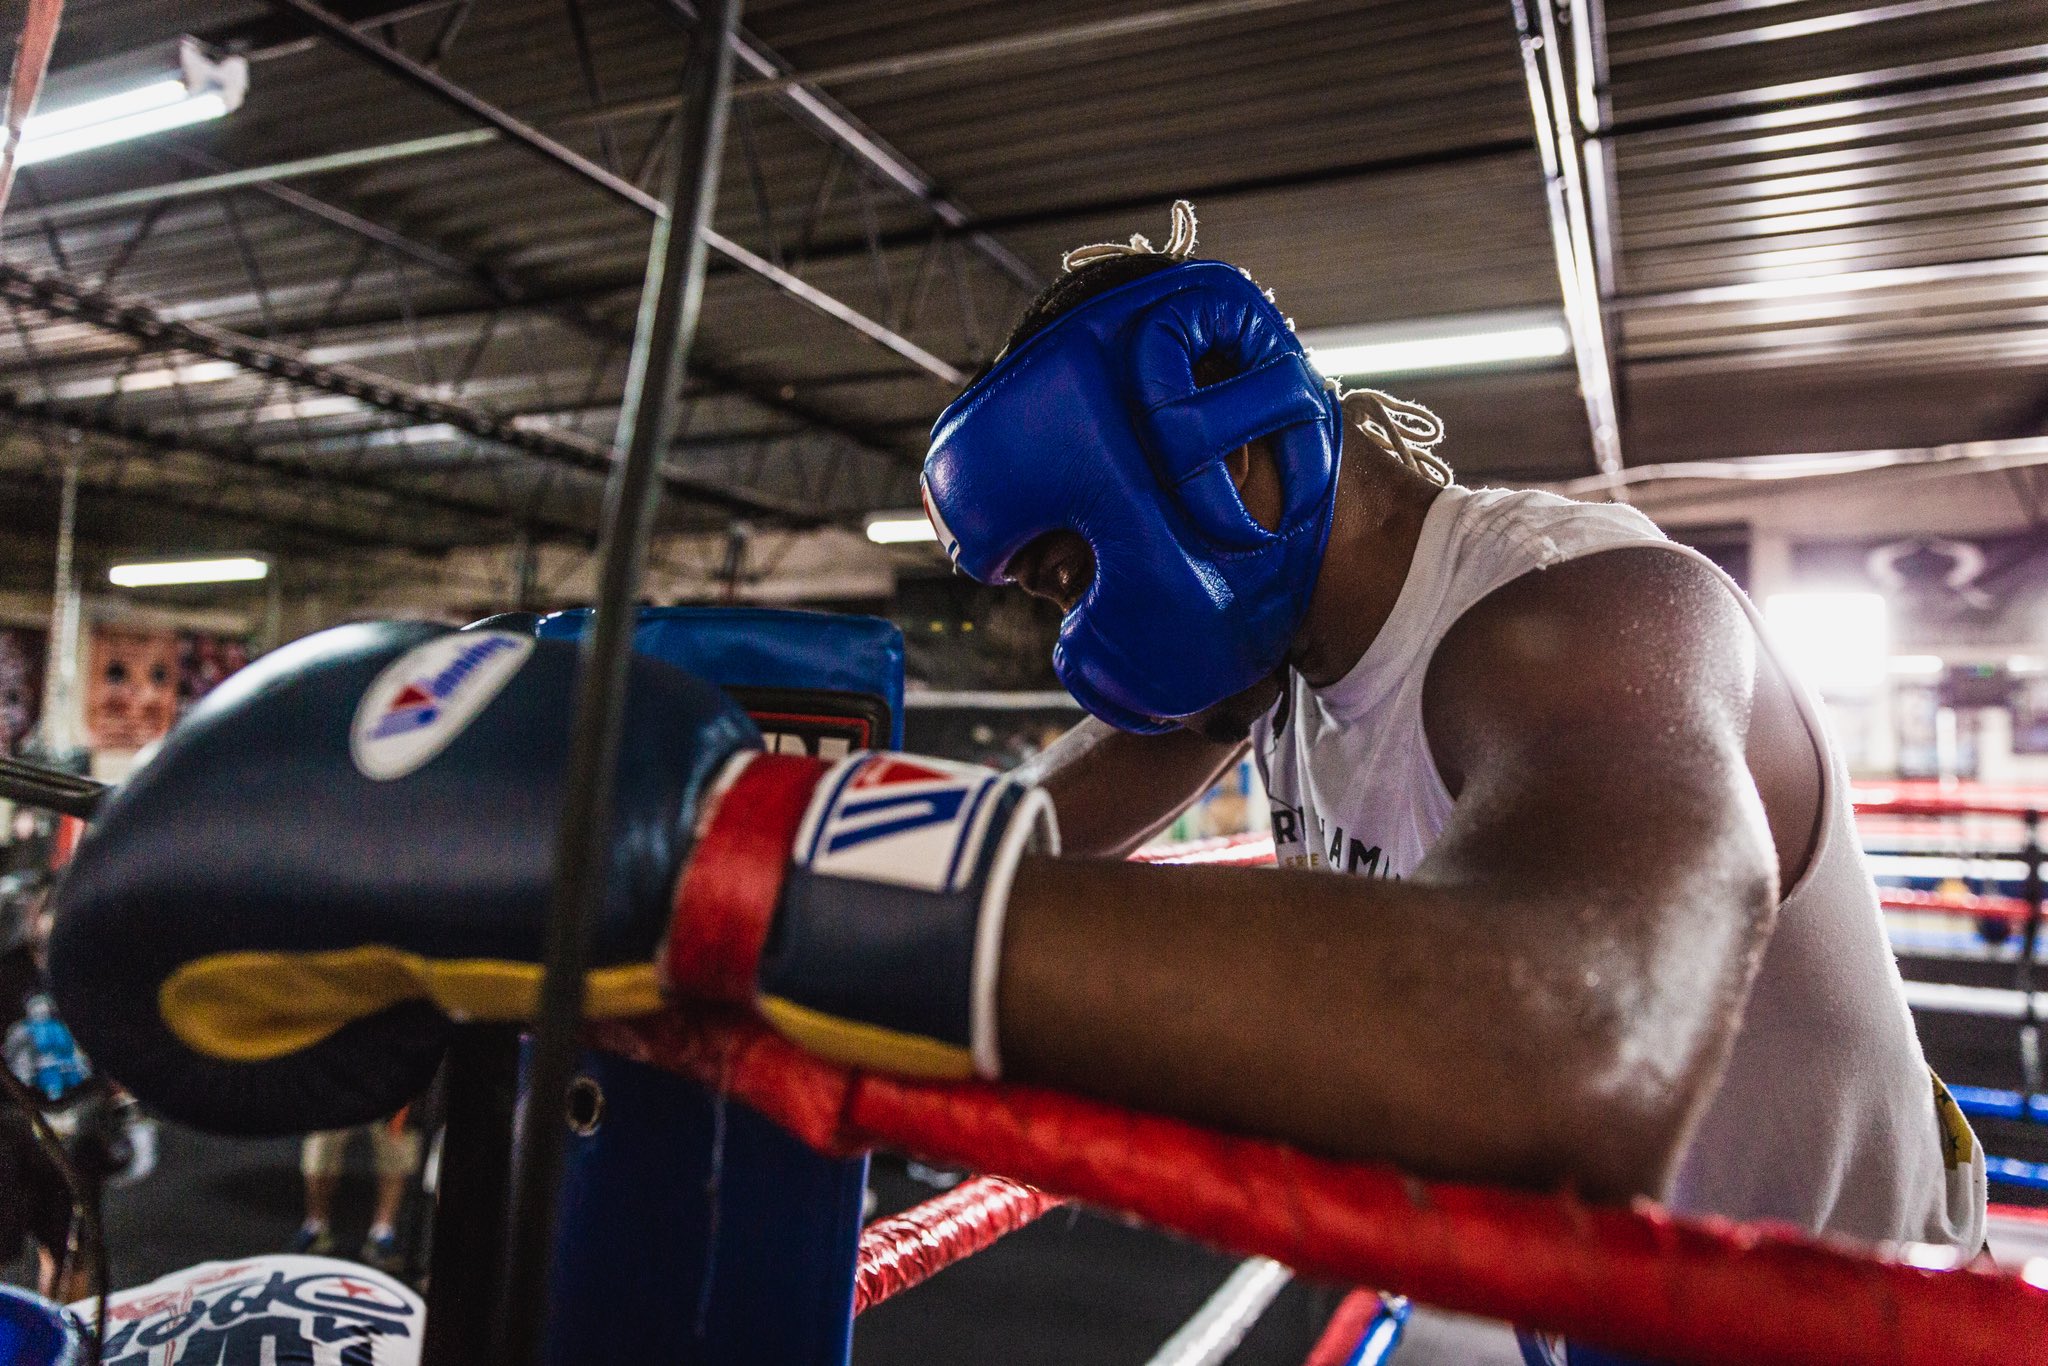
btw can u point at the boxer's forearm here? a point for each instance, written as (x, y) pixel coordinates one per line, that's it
(1455, 1035)
(1114, 790)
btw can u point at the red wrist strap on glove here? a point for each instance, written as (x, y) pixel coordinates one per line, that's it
(726, 900)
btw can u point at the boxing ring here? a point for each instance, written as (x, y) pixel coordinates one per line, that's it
(541, 1223)
(1635, 1279)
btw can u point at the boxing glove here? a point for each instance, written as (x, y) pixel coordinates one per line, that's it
(348, 843)
(859, 905)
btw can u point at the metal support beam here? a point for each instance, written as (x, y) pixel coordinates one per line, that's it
(1558, 140)
(122, 201)
(540, 144)
(134, 504)
(2003, 453)
(505, 292)
(1868, 90)
(340, 31)
(1594, 109)
(668, 324)
(1092, 33)
(390, 502)
(195, 187)
(61, 297)
(1341, 175)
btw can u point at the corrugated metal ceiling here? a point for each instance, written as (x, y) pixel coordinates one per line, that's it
(1831, 228)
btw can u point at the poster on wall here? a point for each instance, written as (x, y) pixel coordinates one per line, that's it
(138, 681)
(2030, 718)
(131, 686)
(203, 661)
(21, 685)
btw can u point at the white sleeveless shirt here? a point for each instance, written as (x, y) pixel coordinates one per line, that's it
(1827, 1116)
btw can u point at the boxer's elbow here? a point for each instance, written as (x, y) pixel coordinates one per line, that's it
(1630, 1081)
(1608, 1150)
(1557, 1127)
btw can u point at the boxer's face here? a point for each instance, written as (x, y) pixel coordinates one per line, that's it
(1059, 566)
(1229, 722)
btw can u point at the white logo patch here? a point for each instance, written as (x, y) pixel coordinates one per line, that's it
(947, 540)
(424, 698)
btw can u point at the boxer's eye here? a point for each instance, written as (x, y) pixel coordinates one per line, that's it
(1058, 567)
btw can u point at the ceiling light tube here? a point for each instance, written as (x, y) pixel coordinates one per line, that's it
(115, 102)
(164, 573)
(1474, 341)
(900, 528)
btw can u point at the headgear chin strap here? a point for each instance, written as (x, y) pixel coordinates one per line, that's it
(1096, 425)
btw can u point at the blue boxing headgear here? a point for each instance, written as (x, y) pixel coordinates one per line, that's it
(1096, 425)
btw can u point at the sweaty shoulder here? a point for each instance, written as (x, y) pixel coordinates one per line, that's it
(1616, 642)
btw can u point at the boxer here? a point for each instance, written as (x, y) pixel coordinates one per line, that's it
(1607, 922)
(1617, 934)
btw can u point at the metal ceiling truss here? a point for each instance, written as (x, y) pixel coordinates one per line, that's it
(532, 140)
(58, 296)
(505, 295)
(825, 116)
(773, 455)
(233, 514)
(792, 463)
(298, 168)
(1860, 92)
(326, 494)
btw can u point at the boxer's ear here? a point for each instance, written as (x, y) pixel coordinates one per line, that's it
(1252, 467)
(1257, 476)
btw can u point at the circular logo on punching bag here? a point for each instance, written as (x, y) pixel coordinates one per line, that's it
(424, 698)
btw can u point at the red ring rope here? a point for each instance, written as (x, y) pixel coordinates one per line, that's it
(1633, 1279)
(1917, 798)
(910, 1248)
(1246, 851)
(2011, 909)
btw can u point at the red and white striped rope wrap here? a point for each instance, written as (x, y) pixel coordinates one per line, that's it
(1252, 851)
(1910, 799)
(1224, 851)
(2012, 909)
(1348, 1322)
(1921, 798)
(1634, 1279)
(910, 1248)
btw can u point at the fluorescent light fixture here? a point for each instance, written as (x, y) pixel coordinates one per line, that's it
(900, 528)
(132, 97)
(1916, 666)
(162, 573)
(1471, 341)
(1838, 642)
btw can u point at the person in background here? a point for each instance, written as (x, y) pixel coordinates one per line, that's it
(395, 1152)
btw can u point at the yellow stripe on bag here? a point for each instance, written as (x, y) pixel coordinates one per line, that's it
(252, 1007)
(866, 1045)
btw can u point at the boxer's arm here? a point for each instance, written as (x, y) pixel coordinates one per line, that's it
(1550, 997)
(1115, 790)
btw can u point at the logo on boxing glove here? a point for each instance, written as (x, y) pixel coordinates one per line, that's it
(909, 822)
(427, 696)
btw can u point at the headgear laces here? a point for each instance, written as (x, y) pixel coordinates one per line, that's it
(1400, 427)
